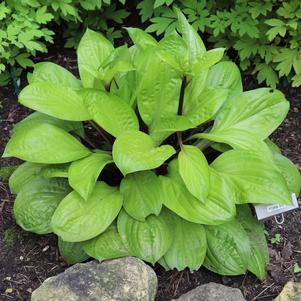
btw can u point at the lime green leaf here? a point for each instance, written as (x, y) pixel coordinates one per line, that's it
(107, 245)
(148, 240)
(257, 180)
(54, 74)
(83, 173)
(194, 170)
(54, 100)
(135, 151)
(77, 219)
(225, 75)
(103, 106)
(38, 118)
(141, 194)
(228, 249)
(23, 60)
(218, 208)
(72, 252)
(36, 203)
(189, 246)
(24, 174)
(259, 249)
(140, 38)
(51, 145)
(208, 59)
(290, 173)
(92, 51)
(55, 171)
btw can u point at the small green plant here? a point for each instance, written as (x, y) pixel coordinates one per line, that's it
(180, 152)
(297, 269)
(276, 239)
(10, 237)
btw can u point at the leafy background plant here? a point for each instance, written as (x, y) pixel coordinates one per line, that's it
(180, 148)
(265, 35)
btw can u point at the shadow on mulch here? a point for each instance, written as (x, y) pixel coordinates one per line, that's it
(26, 260)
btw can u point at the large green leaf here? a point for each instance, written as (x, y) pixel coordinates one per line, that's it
(110, 112)
(194, 170)
(167, 126)
(92, 51)
(205, 105)
(77, 219)
(290, 173)
(55, 100)
(147, 240)
(259, 248)
(25, 173)
(218, 208)
(158, 88)
(191, 37)
(258, 112)
(36, 203)
(141, 38)
(189, 246)
(257, 180)
(228, 249)
(225, 75)
(55, 171)
(45, 143)
(72, 252)
(135, 151)
(53, 73)
(141, 194)
(37, 117)
(83, 174)
(107, 245)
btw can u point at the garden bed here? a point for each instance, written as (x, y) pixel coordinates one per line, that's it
(27, 259)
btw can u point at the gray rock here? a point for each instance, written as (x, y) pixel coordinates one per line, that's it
(212, 292)
(125, 279)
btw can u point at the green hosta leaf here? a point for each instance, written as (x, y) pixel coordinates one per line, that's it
(77, 219)
(259, 249)
(148, 240)
(92, 51)
(225, 75)
(193, 41)
(37, 117)
(290, 173)
(189, 246)
(194, 170)
(228, 249)
(83, 173)
(54, 74)
(257, 180)
(24, 174)
(55, 100)
(208, 59)
(141, 194)
(51, 145)
(135, 151)
(140, 38)
(167, 126)
(36, 203)
(112, 113)
(107, 245)
(72, 252)
(258, 112)
(218, 208)
(158, 89)
(205, 105)
(55, 171)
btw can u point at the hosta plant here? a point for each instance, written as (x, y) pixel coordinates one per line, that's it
(155, 152)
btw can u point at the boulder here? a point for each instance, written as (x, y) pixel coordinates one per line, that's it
(290, 292)
(125, 279)
(212, 292)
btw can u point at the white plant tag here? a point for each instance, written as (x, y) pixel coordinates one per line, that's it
(264, 211)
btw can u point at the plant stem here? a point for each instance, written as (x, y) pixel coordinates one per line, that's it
(203, 144)
(100, 132)
(182, 93)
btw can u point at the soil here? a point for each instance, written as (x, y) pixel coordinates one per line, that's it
(26, 260)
